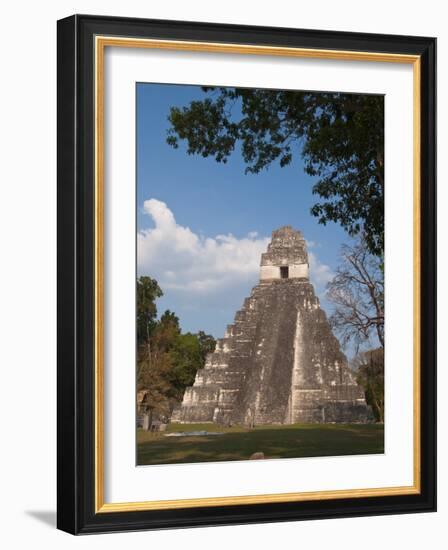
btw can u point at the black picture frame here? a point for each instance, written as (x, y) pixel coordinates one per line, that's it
(76, 286)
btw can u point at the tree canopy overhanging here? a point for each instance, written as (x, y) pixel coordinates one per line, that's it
(340, 137)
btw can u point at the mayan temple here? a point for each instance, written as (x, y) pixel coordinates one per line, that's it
(279, 362)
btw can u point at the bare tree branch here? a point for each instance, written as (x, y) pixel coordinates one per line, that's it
(357, 291)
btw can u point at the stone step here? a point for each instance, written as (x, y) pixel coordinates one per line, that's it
(223, 345)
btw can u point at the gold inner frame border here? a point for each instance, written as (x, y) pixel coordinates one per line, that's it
(100, 44)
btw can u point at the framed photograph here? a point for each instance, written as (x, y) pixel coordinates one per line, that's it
(246, 274)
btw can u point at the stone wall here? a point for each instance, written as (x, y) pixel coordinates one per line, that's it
(296, 271)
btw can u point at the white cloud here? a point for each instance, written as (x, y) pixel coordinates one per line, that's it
(182, 260)
(320, 274)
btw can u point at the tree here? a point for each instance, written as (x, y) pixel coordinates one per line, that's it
(369, 366)
(155, 365)
(340, 137)
(207, 344)
(166, 331)
(186, 360)
(148, 291)
(167, 360)
(357, 291)
(153, 379)
(169, 320)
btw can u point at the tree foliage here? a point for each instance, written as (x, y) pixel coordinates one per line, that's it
(357, 291)
(369, 366)
(186, 360)
(207, 344)
(167, 360)
(148, 291)
(340, 137)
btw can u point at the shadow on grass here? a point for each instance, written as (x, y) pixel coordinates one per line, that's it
(274, 442)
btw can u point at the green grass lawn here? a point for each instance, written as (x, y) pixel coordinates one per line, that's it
(239, 443)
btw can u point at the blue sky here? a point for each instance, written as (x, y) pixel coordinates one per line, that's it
(202, 225)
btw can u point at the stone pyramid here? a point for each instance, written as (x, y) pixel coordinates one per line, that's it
(279, 362)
